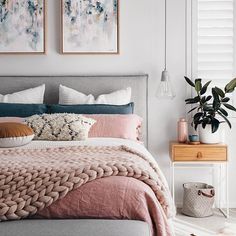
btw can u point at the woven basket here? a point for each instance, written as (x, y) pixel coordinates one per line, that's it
(198, 199)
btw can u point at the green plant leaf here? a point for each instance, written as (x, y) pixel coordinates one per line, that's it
(208, 108)
(198, 115)
(215, 94)
(208, 98)
(216, 101)
(220, 92)
(204, 88)
(214, 125)
(189, 81)
(223, 111)
(207, 119)
(204, 124)
(229, 88)
(230, 91)
(192, 100)
(225, 118)
(216, 104)
(192, 109)
(226, 99)
(196, 123)
(197, 118)
(188, 99)
(230, 107)
(198, 85)
(203, 100)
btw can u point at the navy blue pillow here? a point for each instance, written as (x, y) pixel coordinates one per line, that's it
(92, 109)
(21, 110)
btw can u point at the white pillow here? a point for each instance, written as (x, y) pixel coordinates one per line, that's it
(28, 96)
(69, 96)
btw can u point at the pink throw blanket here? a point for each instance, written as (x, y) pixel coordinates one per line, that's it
(33, 179)
(115, 197)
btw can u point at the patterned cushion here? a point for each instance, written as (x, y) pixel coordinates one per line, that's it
(60, 127)
(14, 134)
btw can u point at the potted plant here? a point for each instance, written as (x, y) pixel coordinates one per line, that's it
(211, 109)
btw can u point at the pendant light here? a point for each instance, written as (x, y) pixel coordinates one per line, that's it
(165, 89)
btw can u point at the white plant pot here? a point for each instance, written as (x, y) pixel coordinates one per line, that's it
(206, 135)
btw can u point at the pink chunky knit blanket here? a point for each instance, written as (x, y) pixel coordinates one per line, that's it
(32, 179)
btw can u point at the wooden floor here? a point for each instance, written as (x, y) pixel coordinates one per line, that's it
(185, 226)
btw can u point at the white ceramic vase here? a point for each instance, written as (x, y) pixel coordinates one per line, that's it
(206, 136)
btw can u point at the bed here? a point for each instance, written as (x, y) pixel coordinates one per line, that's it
(40, 226)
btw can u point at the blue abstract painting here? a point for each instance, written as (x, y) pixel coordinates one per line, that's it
(90, 26)
(22, 26)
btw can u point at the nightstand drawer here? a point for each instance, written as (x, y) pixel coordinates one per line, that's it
(199, 153)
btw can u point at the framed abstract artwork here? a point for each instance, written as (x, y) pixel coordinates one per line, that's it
(90, 26)
(22, 26)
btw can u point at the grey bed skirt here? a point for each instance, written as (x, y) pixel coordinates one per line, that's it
(74, 228)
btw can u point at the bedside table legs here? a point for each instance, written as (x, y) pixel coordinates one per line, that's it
(223, 185)
(227, 190)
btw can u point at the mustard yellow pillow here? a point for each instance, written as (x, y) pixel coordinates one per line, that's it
(15, 134)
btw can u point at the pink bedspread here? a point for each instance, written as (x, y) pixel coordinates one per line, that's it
(112, 198)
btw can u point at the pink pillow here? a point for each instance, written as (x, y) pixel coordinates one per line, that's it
(11, 119)
(116, 126)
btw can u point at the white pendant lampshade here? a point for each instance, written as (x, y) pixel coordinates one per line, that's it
(165, 89)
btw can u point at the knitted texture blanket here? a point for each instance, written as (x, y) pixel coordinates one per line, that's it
(32, 179)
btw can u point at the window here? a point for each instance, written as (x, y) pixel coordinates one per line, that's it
(214, 41)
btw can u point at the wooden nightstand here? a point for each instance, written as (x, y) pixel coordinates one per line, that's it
(202, 154)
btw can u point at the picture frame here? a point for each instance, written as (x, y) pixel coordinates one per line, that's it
(23, 27)
(89, 28)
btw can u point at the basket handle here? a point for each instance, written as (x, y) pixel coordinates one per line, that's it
(200, 192)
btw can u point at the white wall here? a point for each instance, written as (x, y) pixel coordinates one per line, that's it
(142, 51)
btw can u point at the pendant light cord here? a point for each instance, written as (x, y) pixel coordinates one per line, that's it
(165, 33)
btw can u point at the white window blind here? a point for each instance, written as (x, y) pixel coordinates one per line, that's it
(214, 44)
(214, 41)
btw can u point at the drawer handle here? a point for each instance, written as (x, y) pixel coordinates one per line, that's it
(199, 155)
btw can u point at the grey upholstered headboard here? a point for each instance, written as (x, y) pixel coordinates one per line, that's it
(87, 84)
